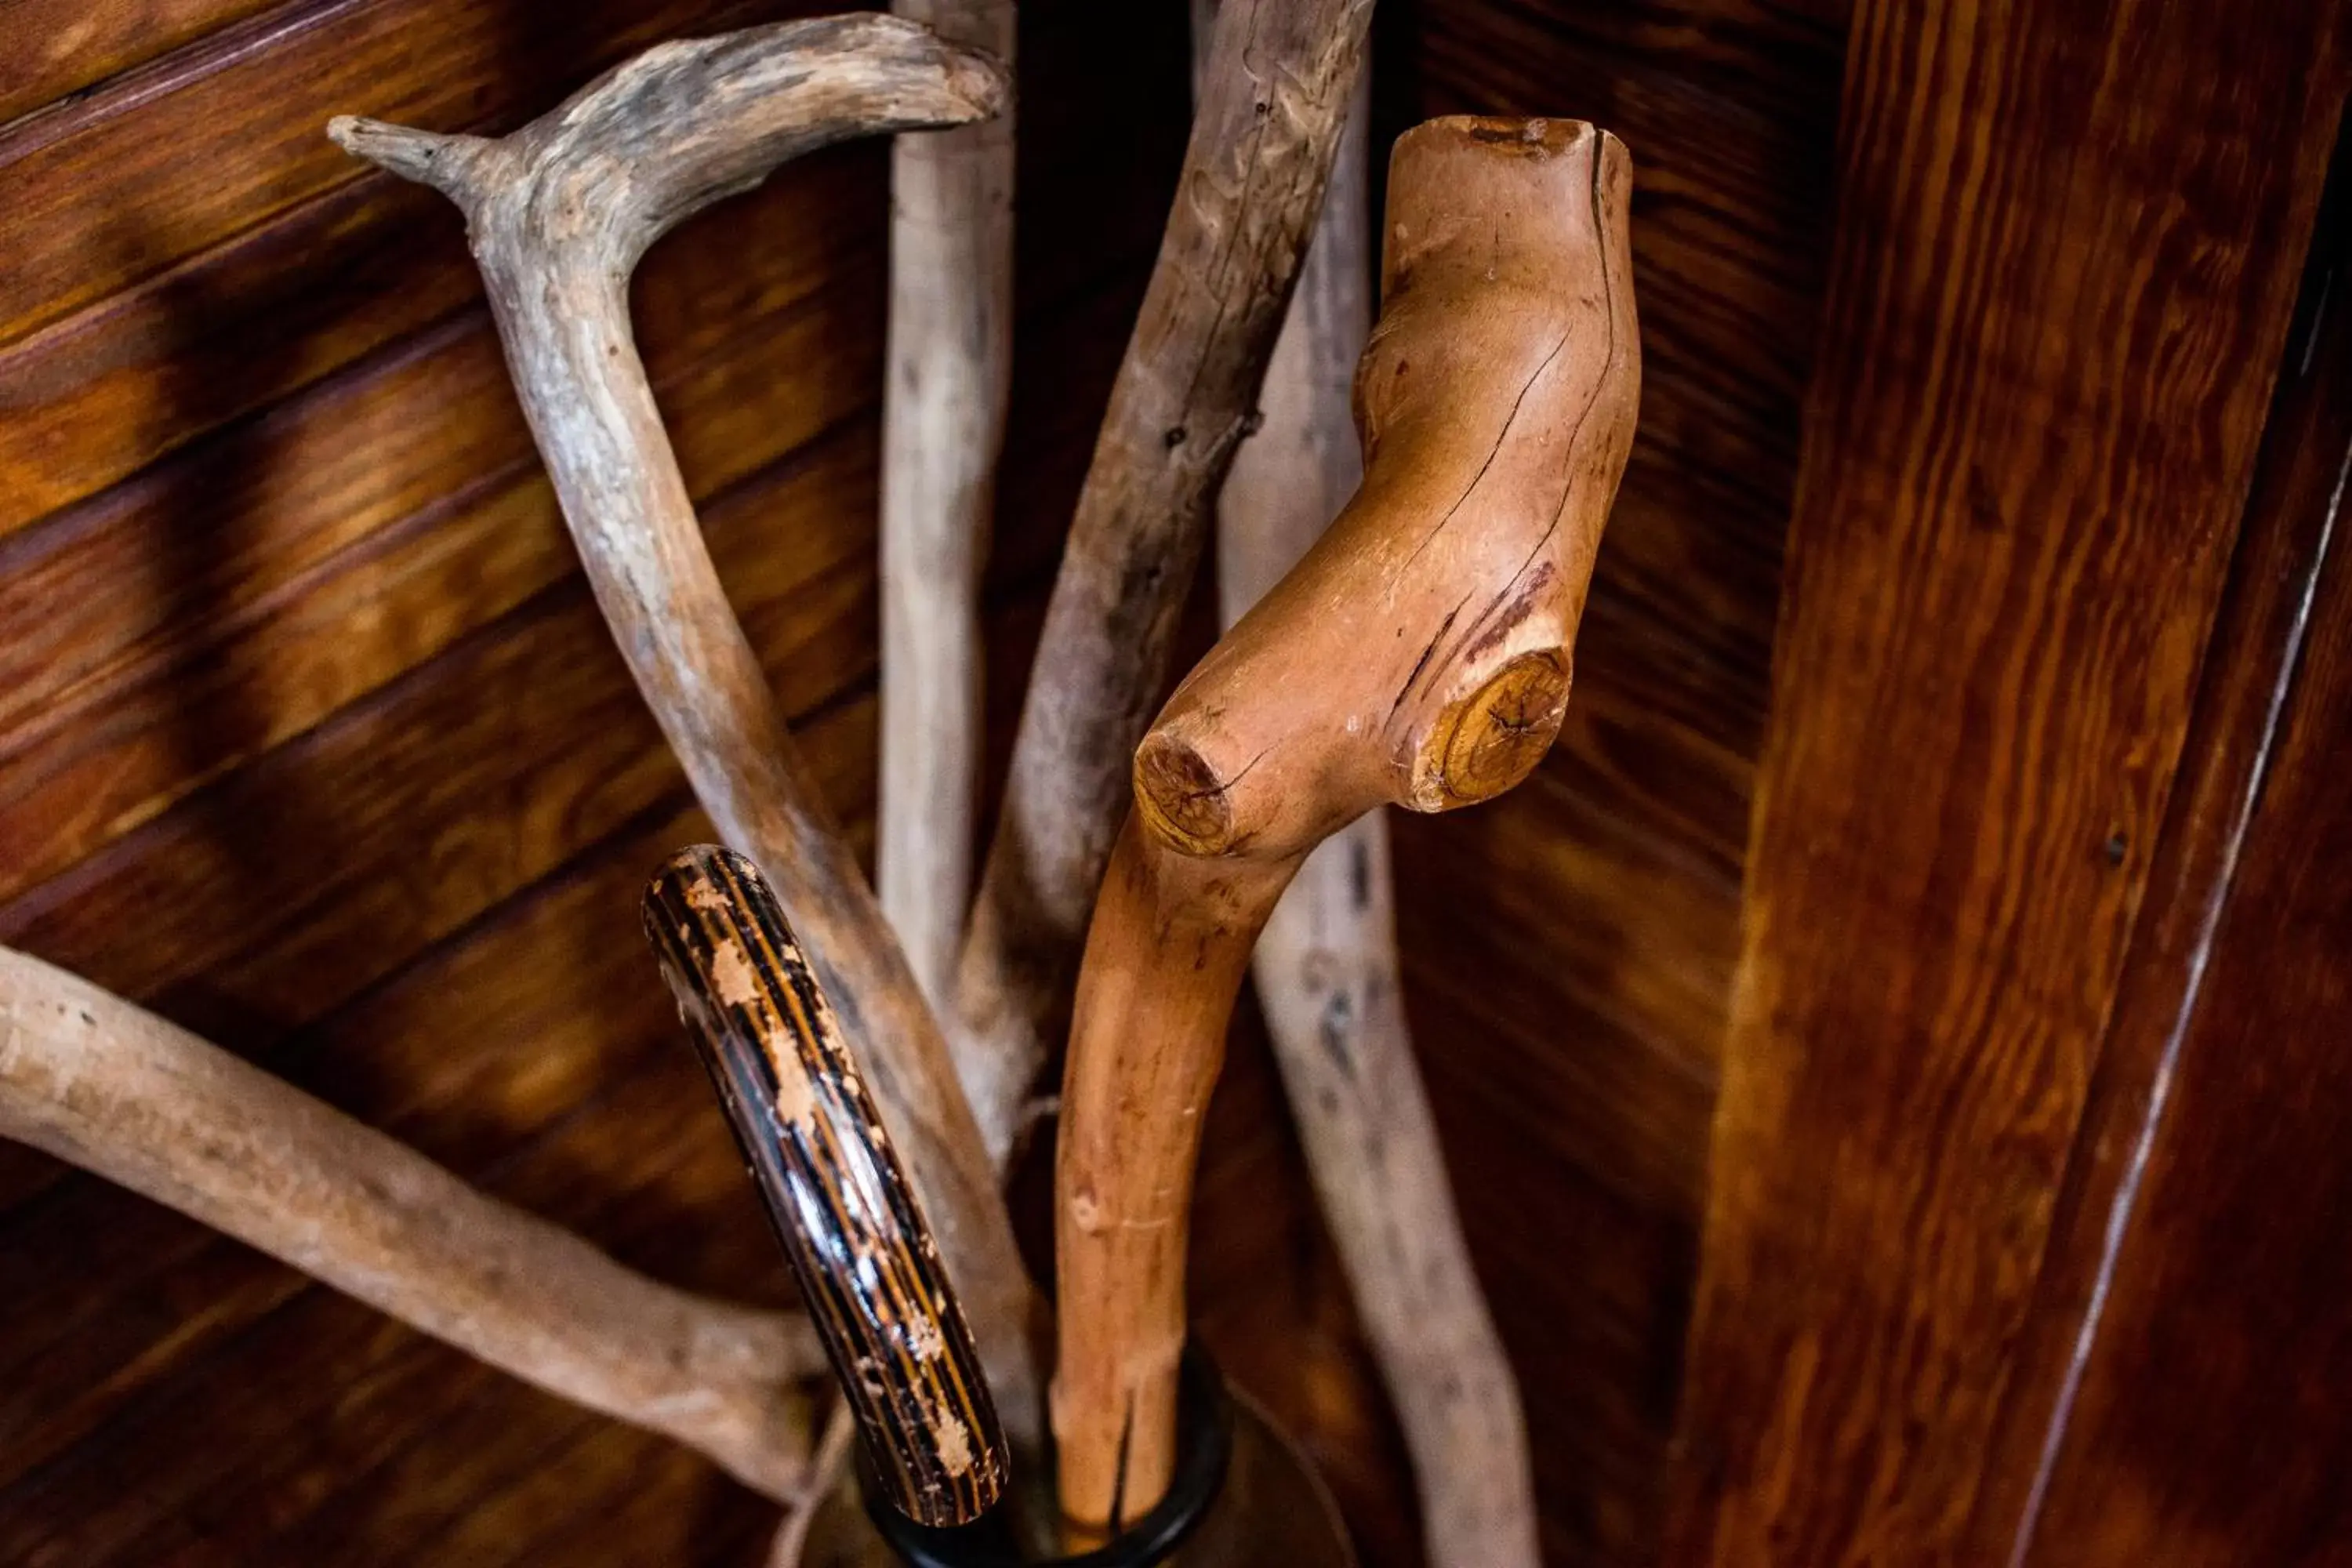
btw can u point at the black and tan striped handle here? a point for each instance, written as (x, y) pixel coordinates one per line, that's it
(842, 1206)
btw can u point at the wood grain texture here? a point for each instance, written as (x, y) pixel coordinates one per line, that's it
(1327, 969)
(61, 48)
(868, 1269)
(1418, 655)
(2003, 566)
(502, 1032)
(1568, 1037)
(126, 185)
(2195, 1230)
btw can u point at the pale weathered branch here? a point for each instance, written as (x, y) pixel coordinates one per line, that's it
(1418, 655)
(1327, 965)
(1278, 82)
(558, 213)
(947, 373)
(829, 1474)
(93, 1079)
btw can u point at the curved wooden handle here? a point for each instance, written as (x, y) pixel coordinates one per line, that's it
(866, 1265)
(1420, 654)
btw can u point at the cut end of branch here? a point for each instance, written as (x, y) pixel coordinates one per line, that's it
(1182, 799)
(450, 164)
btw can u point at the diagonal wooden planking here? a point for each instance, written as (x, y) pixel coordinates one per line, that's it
(2068, 244)
(272, 311)
(59, 48)
(165, 163)
(295, 566)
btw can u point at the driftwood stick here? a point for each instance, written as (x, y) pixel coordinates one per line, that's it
(1419, 656)
(95, 1080)
(947, 373)
(1279, 77)
(1328, 971)
(829, 1472)
(559, 213)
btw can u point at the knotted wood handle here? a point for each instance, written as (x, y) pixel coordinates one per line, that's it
(868, 1268)
(1419, 654)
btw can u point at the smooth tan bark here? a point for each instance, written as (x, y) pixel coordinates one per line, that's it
(1419, 654)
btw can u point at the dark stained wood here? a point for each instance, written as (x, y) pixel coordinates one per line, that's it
(139, 178)
(295, 566)
(2209, 1426)
(60, 47)
(2174, 1397)
(2030, 432)
(254, 319)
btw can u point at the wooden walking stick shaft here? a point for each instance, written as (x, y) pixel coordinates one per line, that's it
(558, 213)
(1420, 654)
(947, 380)
(869, 1271)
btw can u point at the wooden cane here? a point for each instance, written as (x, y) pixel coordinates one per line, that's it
(840, 1204)
(1420, 654)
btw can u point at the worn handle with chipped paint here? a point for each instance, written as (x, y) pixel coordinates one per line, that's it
(1419, 654)
(868, 1268)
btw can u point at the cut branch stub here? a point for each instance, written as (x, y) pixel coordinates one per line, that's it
(1328, 976)
(1419, 654)
(558, 213)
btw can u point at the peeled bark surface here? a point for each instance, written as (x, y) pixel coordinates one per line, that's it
(1419, 654)
(93, 1079)
(1328, 976)
(1279, 75)
(558, 214)
(947, 375)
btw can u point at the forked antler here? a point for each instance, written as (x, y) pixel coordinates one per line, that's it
(91, 1078)
(559, 213)
(1419, 654)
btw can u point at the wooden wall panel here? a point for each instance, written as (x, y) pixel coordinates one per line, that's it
(2068, 242)
(2177, 1393)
